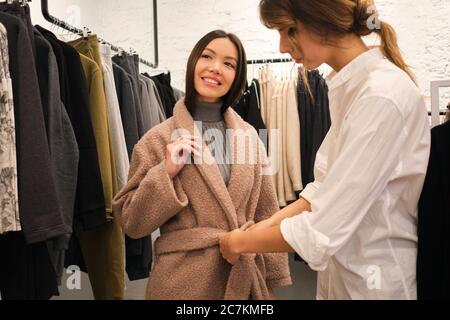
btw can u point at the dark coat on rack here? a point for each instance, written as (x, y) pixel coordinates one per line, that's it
(26, 271)
(127, 62)
(433, 255)
(63, 146)
(40, 215)
(138, 251)
(315, 121)
(125, 95)
(248, 108)
(162, 82)
(90, 200)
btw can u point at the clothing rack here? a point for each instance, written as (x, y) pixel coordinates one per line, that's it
(264, 61)
(435, 110)
(68, 27)
(22, 2)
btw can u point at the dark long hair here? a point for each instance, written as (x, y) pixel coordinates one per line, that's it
(237, 88)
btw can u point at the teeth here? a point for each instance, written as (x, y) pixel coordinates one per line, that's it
(211, 81)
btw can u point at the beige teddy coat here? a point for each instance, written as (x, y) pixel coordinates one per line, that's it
(193, 211)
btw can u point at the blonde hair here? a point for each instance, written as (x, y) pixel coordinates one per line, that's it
(333, 19)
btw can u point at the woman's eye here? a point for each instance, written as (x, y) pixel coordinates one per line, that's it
(206, 56)
(230, 65)
(292, 31)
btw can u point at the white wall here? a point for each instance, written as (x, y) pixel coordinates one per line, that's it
(423, 28)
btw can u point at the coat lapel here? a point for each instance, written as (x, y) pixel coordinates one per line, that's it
(242, 173)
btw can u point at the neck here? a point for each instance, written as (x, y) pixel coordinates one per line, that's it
(208, 111)
(349, 48)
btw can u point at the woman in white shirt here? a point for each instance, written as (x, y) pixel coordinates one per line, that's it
(356, 223)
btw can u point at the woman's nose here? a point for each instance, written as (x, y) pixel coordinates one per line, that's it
(215, 67)
(285, 45)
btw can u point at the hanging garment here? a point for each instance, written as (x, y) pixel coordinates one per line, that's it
(156, 117)
(178, 94)
(60, 136)
(63, 147)
(275, 137)
(89, 47)
(102, 249)
(193, 210)
(127, 104)
(314, 121)
(118, 143)
(292, 145)
(369, 172)
(162, 82)
(40, 214)
(280, 100)
(99, 118)
(9, 212)
(23, 13)
(433, 255)
(161, 109)
(127, 63)
(90, 202)
(145, 102)
(248, 107)
(267, 91)
(100, 253)
(26, 271)
(288, 187)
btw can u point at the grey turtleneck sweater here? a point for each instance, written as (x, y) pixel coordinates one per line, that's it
(214, 134)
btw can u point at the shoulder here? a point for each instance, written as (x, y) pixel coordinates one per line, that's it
(159, 136)
(388, 82)
(240, 123)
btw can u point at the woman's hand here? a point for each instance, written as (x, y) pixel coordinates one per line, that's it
(178, 152)
(229, 246)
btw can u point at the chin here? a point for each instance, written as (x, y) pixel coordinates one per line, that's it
(311, 66)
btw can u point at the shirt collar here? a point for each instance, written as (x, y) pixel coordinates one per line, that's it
(363, 61)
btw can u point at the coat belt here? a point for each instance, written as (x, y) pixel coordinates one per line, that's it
(245, 278)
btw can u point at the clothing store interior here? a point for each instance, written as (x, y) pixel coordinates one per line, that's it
(88, 87)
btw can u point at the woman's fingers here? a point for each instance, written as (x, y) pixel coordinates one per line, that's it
(225, 250)
(182, 151)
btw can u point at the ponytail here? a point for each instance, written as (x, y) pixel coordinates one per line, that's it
(390, 48)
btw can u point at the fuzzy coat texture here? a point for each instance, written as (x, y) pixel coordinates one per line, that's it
(193, 210)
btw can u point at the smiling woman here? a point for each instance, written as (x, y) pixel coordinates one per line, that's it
(217, 66)
(215, 70)
(194, 205)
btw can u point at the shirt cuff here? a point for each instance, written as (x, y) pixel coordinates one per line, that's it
(309, 243)
(309, 191)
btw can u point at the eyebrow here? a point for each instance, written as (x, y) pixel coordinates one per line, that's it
(228, 57)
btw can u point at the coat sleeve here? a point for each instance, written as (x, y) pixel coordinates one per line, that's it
(277, 264)
(150, 197)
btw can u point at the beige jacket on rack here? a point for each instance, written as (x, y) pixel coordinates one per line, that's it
(282, 120)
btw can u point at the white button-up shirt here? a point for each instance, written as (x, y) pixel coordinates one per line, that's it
(361, 234)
